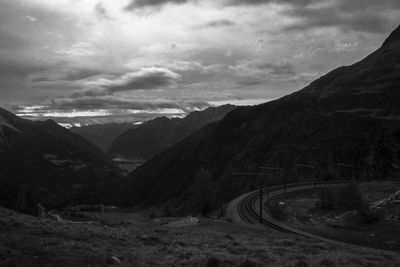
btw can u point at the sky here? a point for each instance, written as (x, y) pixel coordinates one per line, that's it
(94, 61)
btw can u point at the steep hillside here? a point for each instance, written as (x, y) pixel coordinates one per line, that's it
(350, 115)
(102, 135)
(154, 136)
(42, 161)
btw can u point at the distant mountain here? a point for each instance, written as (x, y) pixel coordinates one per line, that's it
(351, 115)
(48, 163)
(102, 135)
(156, 135)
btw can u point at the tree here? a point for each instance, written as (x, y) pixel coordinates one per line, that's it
(203, 194)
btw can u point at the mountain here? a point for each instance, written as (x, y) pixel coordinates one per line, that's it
(42, 161)
(351, 115)
(102, 135)
(156, 135)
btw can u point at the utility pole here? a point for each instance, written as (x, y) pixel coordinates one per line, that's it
(261, 203)
(260, 189)
(347, 166)
(273, 169)
(21, 199)
(313, 168)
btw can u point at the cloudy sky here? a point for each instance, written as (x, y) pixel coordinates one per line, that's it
(88, 61)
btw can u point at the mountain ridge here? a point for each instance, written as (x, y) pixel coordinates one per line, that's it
(155, 135)
(48, 162)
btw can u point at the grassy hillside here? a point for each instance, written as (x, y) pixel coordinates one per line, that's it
(28, 241)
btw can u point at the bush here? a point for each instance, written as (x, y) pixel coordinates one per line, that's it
(248, 263)
(348, 198)
(326, 200)
(204, 198)
(169, 210)
(152, 214)
(213, 262)
(278, 211)
(370, 216)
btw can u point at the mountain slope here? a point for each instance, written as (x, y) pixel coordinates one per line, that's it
(350, 115)
(102, 135)
(48, 162)
(154, 136)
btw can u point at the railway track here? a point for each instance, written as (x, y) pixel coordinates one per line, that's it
(248, 210)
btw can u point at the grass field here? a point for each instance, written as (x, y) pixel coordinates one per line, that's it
(28, 241)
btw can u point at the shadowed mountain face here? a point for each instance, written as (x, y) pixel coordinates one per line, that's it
(156, 135)
(102, 135)
(351, 115)
(47, 162)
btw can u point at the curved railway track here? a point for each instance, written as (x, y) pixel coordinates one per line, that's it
(248, 207)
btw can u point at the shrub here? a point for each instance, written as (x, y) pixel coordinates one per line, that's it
(169, 210)
(326, 200)
(370, 216)
(204, 198)
(248, 263)
(348, 198)
(278, 211)
(213, 262)
(152, 214)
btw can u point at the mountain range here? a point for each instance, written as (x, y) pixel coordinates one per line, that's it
(47, 163)
(102, 135)
(154, 136)
(349, 117)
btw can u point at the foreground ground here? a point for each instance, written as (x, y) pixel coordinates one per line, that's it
(28, 241)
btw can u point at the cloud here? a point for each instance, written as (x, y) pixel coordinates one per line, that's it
(261, 68)
(144, 79)
(63, 74)
(262, 2)
(358, 15)
(138, 4)
(100, 11)
(106, 106)
(363, 18)
(219, 23)
(14, 67)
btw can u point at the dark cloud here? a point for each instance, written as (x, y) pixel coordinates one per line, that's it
(144, 79)
(219, 23)
(255, 72)
(364, 18)
(261, 2)
(64, 75)
(283, 68)
(358, 15)
(100, 11)
(137, 4)
(18, 67)
(147, 78)
(259, 66)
